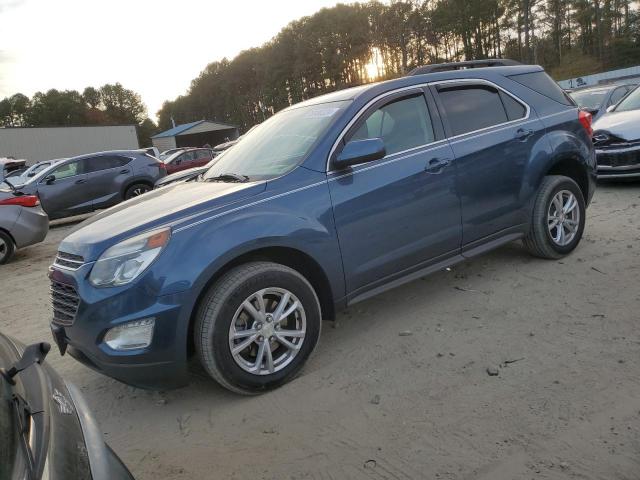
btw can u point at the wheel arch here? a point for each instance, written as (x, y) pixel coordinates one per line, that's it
(572, 166)
(291, 257)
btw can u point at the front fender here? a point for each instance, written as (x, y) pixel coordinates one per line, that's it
(300, 219)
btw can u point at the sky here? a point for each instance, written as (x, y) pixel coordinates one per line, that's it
(154, 47)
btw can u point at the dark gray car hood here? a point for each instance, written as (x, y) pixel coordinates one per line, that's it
(171, 205)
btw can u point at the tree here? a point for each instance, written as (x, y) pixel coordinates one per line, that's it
(146, 130)
(122, 105)
(92, 97)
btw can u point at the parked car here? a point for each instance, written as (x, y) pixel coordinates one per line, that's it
(325, 204)
(10, 165)
(22, 221)
(617, 139)
(90, 182)
(19, 177)
(167, 153)
(188, 158)
(221, 147)
(46, 427)
(596, 100)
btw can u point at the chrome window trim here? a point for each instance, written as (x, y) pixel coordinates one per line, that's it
(422, 85)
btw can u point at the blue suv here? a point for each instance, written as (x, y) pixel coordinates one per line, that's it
(325, 204)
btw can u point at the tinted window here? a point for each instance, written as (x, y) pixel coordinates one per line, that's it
(402, 124)
(67, 170)
(543, 84)
(515, 110)
(617, 95)
(104, 162)
(472, 107)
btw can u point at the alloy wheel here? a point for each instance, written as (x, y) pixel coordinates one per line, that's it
(267, 331)
(563, 218)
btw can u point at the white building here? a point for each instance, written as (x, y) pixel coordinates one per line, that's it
(46, 143)
(622, 75)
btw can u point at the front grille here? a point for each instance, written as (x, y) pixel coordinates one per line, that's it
(619, 159)
(69, 260)
(65, 302)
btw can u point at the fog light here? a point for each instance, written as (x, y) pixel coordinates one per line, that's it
(131, 335)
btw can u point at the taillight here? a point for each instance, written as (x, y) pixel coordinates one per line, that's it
(162, 166)
(586, 119)
(22, 201)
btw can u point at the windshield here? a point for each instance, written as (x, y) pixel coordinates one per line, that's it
(278, 145)
(630, 102)
(591, 99)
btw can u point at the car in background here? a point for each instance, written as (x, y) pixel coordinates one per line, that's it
(11, 165)
(22, 220)
(167, 153)
(596, 100)
(616, 136)
(90, 182)
(221, 147)
(328, 203)
(188, 158)
(19, 177)
(46, 428)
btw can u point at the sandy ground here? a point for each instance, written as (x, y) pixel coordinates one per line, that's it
(398, 388)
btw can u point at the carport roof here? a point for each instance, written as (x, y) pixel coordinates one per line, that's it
(185, 127)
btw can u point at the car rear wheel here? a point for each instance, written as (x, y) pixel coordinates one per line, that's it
(257, 326)
(558, 219)
(7, 247)
(136, 190)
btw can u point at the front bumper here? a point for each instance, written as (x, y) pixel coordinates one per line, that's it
(622, 162)
(161, 365)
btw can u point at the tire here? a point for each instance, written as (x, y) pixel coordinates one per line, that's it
(222, 315)
(544, 240)
(136, 190)
(7, 247)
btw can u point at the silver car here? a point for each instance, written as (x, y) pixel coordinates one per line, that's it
(22, 221)
(616, 136)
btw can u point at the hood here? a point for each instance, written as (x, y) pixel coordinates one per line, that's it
(169, 205)
(625, 125)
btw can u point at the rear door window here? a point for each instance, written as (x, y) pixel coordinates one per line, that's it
(402, 124)
(104, 162)
(473, 107)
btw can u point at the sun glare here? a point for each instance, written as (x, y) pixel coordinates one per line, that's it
(374, 68)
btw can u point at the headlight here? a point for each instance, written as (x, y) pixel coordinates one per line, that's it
(126, 260)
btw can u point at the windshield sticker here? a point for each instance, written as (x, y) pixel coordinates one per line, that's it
(321, 112)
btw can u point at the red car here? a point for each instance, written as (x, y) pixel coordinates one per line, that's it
(188, 158)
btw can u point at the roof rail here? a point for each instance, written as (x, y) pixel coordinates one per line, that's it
(443, 67)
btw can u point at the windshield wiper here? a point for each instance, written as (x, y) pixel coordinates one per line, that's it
(229, 177)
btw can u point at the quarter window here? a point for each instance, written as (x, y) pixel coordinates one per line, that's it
(617, 95)
(474, 107)
(401, 124)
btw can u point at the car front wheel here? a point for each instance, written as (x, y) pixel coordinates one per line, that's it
(256, 327)
(558, 219)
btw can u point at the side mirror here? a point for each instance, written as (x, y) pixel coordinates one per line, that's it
(49, 179)
(360, 151)
(610, 108)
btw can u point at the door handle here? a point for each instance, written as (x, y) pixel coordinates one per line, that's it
(523, 133)
(124, 171)
(82, 180)
(437, 165)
